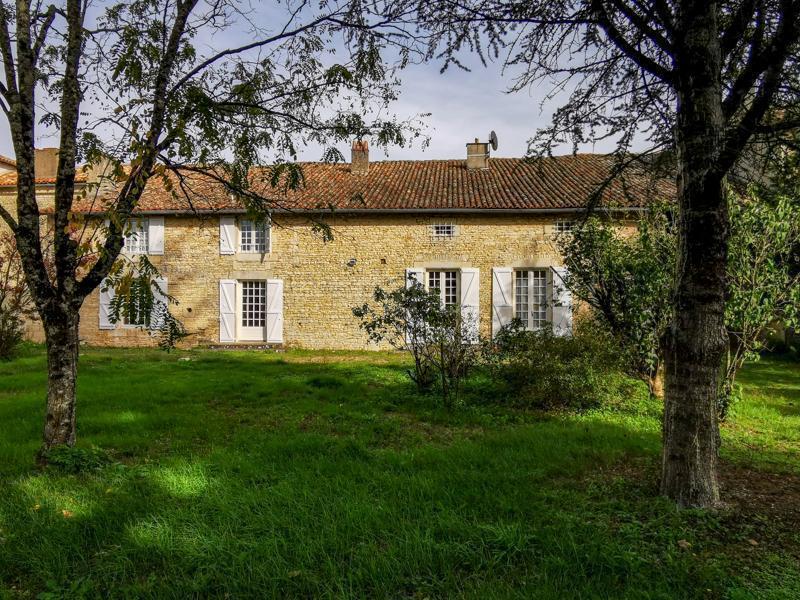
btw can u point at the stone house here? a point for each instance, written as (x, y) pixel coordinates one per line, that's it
(481, 231)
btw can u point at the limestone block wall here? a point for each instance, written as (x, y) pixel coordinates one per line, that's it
(320, 285)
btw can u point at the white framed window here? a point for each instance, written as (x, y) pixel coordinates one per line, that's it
(253, 237)
(137, 239)
(446, 283)
(254, 304)
(564, 226)
(443, 231)
(530, 298)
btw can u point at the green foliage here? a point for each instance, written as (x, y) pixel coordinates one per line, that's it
(541, 370)
(70, 459)
(764, 282)
(11, 333)
(441, 341)
(139, 300)
(626, 280)
(252, 474)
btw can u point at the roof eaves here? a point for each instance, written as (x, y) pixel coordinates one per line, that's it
(390, 211)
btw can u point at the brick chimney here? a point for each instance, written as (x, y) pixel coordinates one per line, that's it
(359, 163)
(46, 162)
(477, 155)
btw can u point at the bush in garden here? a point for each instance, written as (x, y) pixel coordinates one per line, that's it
(537, 369)
(441, 341)
(11, 334)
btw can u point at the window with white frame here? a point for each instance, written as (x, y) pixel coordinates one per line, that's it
(530, 298)
(443, 231)
(446, 283)
(254, 303)
(564, 226)
(253, 237)
(136, 237)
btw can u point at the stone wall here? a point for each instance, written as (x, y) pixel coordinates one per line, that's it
(320, 286)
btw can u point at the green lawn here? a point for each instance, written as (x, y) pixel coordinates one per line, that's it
(322, 475)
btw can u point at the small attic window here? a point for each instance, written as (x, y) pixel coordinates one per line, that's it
(443, 231)
(564, 226)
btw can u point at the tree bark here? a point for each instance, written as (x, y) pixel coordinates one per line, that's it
(62, 375)
(696, 339)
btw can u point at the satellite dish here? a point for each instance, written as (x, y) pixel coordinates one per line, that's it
(493, 140)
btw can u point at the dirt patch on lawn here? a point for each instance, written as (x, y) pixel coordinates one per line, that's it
(745, 491)
(776, 495)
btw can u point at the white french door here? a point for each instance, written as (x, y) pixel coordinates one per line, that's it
(252, 311)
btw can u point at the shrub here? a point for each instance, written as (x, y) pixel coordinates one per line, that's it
(443, 345)
(74, 460)
(538, 369)
(11, 333)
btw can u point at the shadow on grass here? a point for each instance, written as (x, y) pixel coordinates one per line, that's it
(277, 476)
(316, 515)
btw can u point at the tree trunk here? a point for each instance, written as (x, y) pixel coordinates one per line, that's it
(697, 339)
(62, 372)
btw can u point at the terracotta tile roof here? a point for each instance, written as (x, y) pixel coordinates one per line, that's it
(10, 179)
(564, 182)
(9, 162)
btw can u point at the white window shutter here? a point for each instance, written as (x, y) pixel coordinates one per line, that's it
(470, 302)
(106, 296)
(227, 310)
(502, 288)
(275, 311)
(268, 235)
(562, 303)
(227, 235)
(415, 275)
(155, 236)
(160, 303)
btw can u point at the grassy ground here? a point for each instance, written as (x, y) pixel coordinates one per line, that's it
(321, 475)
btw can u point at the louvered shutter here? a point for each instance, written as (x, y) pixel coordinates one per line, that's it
(227, 235)
(470, 303)
(502, 287)
(227, 310)
(562, 303)
(155, 236)
(160, 303)
(106, 296)
(275, 311)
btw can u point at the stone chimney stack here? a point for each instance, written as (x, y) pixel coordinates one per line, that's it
(359, 163)
(477, 155)
(101, 177)
(46, 161)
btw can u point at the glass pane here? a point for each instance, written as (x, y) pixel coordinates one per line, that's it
(254, 301)
(538, 298)
(450, 288)
(521, 297)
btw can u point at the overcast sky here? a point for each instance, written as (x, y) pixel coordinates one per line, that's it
(463, 106)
